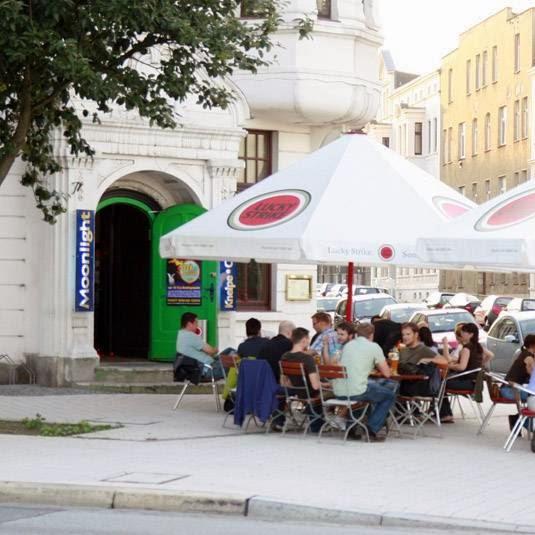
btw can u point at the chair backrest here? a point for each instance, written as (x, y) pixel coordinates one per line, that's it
(228, 362)
(331, 371)
(294, 369)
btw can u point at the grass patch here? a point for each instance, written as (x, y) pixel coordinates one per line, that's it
(39, 427)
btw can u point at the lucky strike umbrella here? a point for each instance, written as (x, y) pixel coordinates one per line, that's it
(352, 201)
(497, 235)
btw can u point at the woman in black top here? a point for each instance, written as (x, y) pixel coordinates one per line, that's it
(471, 357)
(521, 369)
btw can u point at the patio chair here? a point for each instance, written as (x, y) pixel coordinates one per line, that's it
(301, 409)
(190, 371)
(330, 406)
(524, 415)
(455, 395)
(229, 362)
(494, 382)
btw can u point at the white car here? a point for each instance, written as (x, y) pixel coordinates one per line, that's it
(442, 323)
(364, 306)
(401, 312)
(337, 290)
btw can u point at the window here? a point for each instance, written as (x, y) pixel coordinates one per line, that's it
(256, 151)
(386, 141)
(462, 190)
(516, 178)
(502, 125)
(450, 137)
(435, 134)
(524, 176)
(494, 64)
(474, 137)
(517, 52)
(405, 151)
(474, 191)
(324, 9)
(252, 9)
(461, 140)
(478, 72)
(450, 85)
(484, 68)
(444, 146)
(428, 137)
(254, 286)
(487, 190)
(417, 139)
(487, 131)
(524, 119)
(468, 75)
(516, 121)
(502, 184)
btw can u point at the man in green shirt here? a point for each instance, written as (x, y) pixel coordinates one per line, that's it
(360, 357)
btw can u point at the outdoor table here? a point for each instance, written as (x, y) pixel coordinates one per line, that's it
(399, 377)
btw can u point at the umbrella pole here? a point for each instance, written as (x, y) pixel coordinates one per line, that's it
(349, 304)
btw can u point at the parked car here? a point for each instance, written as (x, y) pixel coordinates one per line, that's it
(323, 288)
(490, 308)
(442, 323)
(438, 299)
(506, 337)
(400, 312)
(327, 304)
(520, 304)
(364, 306)
(363, 290)
(336, 290)
(464, 300)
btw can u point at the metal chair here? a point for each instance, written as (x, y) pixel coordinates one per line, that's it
(188, 382)
(330, 406)
(455, 394)
(229, 362)
(300, 410)
(525, 414)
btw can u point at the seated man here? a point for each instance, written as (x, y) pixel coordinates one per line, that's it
(325, 335)
(273, 349)
(360, 357)
(300, 342)
(250, 348)
(190, 344)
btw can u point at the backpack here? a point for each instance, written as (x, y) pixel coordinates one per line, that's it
(186, 368)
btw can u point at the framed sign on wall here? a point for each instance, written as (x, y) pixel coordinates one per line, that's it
(298, 287)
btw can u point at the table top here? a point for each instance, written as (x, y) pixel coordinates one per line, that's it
(400, 377)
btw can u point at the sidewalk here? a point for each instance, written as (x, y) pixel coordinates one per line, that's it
(461, 476)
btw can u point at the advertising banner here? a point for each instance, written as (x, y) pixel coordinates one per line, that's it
(84, 300)
(184, 282)
(228, 289)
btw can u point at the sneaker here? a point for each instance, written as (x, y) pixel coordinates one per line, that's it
(374, 437)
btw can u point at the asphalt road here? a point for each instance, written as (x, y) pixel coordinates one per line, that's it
(29, 520)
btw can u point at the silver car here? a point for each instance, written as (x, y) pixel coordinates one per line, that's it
(506, 337)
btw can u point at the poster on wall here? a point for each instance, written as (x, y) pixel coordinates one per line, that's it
(184, 282)
(228, 289)
(84, 298)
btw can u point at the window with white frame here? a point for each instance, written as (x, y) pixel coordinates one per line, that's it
(524, 119)
(484, 68)
(450, 85)
(468, 75)
(488, 131)
(418, 127)
(474, 137)
(516, 121)
(494, 64)
(478, 72)
(516, 179)
(502, 184)
(462, 190)
(450, 137)
(461, 141)
(474, 191)
(524, 176)
(502, 125)
(517, 52)
(444, 155)
(487, 190)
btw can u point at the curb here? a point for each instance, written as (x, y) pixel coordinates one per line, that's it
(256, 507)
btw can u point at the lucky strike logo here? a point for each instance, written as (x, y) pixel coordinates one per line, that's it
(269, 210)
(386, 252)
(512, 211)
(450, 208)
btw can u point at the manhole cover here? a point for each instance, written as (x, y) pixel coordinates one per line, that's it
(149, 478)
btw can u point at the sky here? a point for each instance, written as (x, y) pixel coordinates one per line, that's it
(419, 32)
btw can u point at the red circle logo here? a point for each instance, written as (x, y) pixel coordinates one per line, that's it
(269, 210)
(512, 211)
(451, 208)
(386, 252)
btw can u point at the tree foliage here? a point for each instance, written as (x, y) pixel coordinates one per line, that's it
(55, 52)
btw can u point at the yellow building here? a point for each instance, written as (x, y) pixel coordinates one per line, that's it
(485, 89)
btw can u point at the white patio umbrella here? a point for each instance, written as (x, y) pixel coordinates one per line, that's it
(352, 201)
(497, 235)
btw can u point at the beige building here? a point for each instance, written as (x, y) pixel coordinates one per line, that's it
(485, 95)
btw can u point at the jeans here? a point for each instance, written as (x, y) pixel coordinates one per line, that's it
(508, 392)
(381, 399)
(217, 370)
(388, 383)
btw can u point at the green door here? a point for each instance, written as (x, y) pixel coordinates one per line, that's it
(165, 318)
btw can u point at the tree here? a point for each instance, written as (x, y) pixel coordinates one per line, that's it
(55, 51)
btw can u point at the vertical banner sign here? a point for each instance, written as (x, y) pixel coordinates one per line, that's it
(184, 282)
(85, 261)
(228, 291)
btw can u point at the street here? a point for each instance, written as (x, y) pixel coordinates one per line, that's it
(18, 520)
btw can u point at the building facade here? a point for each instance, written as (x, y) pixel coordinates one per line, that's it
(408, 121)
(486, 104)
(144, 181)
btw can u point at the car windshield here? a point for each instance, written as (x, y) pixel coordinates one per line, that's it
(441, 323)
(371, 307)
(527, 327)
(401, 315)
(528, 304)
(328, 305)
(364, 291)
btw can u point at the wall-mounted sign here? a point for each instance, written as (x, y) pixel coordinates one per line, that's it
(298, 287)
(228, 289)
(84, 298)
(184, 282)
